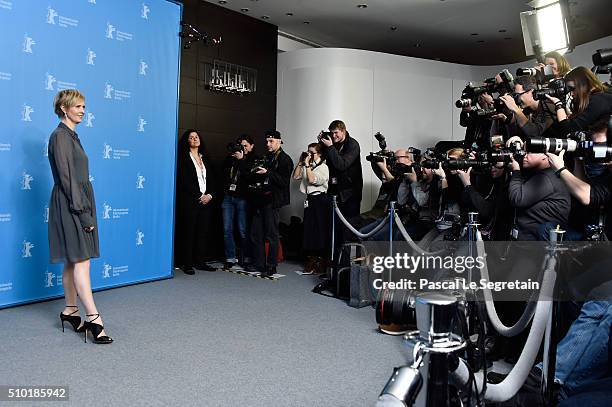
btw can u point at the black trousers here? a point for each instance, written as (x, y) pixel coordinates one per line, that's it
(191, 245)
(264, 226)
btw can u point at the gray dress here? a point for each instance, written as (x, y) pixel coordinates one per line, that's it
(72, 206)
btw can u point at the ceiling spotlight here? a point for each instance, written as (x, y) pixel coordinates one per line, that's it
(265, 17)
(362, 6)
(222, 2)
(306, 22)
(393, 28)
(289, 14)
(244, 10)
(418, 45)
(502, 31)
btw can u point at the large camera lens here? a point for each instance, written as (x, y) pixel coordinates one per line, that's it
(461, 103)
(550, 145)
(526, 72)
(602, 57)
(396, 307)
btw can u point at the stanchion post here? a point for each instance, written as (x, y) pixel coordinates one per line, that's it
(333, 236)
(391, 218)
(549, 361)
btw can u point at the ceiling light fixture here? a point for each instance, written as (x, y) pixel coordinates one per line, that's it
(289, 14)
(222, 2)
(362, 6)
(502, 31)
(244, 10)
(393, 28)
(306, 22)
(265, 17)
(474, 34)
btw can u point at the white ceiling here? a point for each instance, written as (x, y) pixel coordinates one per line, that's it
(432, 29)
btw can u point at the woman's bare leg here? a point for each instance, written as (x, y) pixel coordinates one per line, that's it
(70, 293)
(82, 283)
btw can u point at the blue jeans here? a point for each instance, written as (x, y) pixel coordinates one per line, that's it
(583, 354)
(233, 208)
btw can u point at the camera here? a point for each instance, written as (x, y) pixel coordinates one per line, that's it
(578, 143)
(540, 76)
(258, 163)
(327, 135)
(555, 88)
(234, 147)
(498, 107)
(380, 156)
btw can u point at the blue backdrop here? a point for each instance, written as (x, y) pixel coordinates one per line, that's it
(124, 56)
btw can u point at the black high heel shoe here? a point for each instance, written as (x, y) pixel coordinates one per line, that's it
(96, 330)
(74, 320)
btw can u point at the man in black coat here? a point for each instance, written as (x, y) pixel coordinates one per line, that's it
(271, 193)
(342, 155)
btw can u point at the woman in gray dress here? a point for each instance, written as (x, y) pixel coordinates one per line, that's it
(73, 232)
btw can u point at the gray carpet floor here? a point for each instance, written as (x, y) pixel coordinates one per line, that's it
(213, 339)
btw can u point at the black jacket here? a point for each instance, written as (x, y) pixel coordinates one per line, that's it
(277, 180)
(236, 172)
(599, 107)
(344, 164)
(187, 188)
(539, 197)
(477, 130)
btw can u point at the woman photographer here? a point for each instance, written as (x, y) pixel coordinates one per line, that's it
(590, 101)
(314, 174)
(557, 62)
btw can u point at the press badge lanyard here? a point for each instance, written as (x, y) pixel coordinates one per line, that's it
(234, 178)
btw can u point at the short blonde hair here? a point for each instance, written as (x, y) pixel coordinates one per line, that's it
(66, 98)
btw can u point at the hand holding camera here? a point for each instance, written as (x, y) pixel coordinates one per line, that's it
(303, 157)
(325, 138)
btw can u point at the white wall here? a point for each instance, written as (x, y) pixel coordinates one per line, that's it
(409, 100)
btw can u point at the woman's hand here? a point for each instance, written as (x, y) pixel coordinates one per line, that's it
(205, 199)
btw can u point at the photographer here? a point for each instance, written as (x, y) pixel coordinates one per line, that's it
(533, 117)
(537, 195)
(313, 173)
(451, 185)
(477, 128)
(236, 166)
(489, 197)
(271, 193)
(342, 155)
(594, 191)
(590, 101)
(557, 63)
(396, 186)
